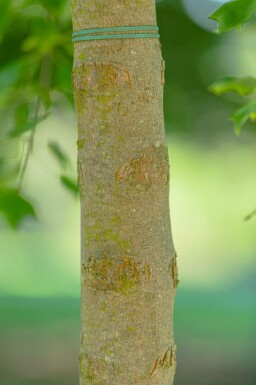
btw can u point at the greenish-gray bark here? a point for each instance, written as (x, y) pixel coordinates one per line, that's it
(128, 262)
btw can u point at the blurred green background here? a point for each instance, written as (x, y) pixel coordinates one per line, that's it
(213, 187)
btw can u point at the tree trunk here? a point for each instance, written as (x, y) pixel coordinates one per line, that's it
(128, 262)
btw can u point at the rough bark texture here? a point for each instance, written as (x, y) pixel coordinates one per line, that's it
(128, 262)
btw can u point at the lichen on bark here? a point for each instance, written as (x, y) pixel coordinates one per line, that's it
(121, 274)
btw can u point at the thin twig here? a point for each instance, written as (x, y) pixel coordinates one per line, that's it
(44, 80)
(30, 144)
(250, 215)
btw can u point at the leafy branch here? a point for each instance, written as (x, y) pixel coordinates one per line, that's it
(39, 62)
(242, 86)
(233, 15)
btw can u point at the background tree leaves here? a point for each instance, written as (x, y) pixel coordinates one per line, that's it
(234, 14)
(14, 207)
(230, 16)
(35, 68)
(243, 114)
(35, 61)
(59, 154)
(5, 7)
(70, 184)
(242, 86)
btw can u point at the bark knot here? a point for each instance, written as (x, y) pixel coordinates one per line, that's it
(100, 78)
(146, 168)
(167, 360)
(120, 273)
(173, 270)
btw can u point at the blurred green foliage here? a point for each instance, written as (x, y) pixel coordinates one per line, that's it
(35, 79)
(243, 86)
(70, 184)
(35, 70)
(243, 114)
(39, 339)
(59, 154)
(211, 173)
(234, 14)
(230, 16)
(14, 207)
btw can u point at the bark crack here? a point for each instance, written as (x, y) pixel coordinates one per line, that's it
(150, 166)
(119, 273)
(173, 270)
(166, 361)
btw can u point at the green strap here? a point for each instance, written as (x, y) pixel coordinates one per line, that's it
(127, 32)
(123, 36)
(116, 29)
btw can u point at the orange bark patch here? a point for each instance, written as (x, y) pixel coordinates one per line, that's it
(149, 167)
(100, 78)
(121, 273)
(162, 72)
(173, 269)
(166, 361)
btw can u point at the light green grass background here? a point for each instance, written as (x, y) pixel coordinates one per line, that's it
(212, 189)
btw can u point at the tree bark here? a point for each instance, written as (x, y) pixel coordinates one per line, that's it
(128, 262)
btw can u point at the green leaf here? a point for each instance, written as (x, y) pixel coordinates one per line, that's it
(9, 74)
(45, 97)
(70, 184)
(234, 14)
(53, 6)
(27, 126)
(59, 154)
(14, 207)
(22, 123)
(44, 39)
(22, 114)
(243, 114)
(242, 86)
(250, 215)
(1, 163)
(18, 130)
(4, 16)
